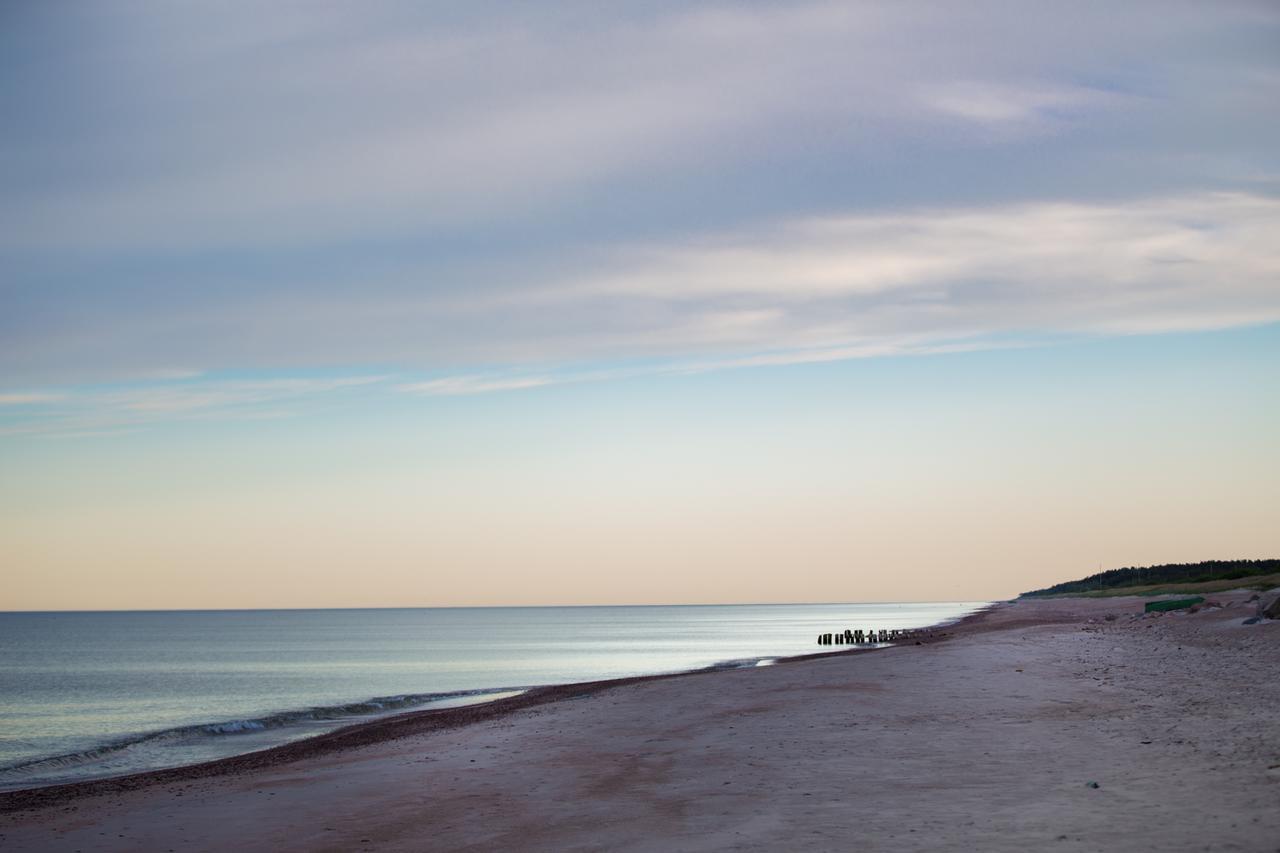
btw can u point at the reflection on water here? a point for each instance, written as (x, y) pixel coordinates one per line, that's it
(118, 692)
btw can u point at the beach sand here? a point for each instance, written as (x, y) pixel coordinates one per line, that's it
(989, 739)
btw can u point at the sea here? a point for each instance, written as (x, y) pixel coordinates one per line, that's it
(87, 695)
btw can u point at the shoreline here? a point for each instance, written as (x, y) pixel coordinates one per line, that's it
(394, 726)
(1072, 724)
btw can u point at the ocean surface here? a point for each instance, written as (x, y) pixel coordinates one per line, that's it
(85, 695)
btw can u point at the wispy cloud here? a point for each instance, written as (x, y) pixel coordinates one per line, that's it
(110, 411)
(27, 398)
(844, 287)
(1195, 261)
(1026, 105)
(499, 382)
(186, 398)
(799, 290)
(463, 385)
(1039, 244)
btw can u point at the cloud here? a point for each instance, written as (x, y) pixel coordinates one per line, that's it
(27, 398)
(464, 385)
(481, 192)
(111, 411)
(172, 399)
(1042, 249)
(352, 125)
(800, 288)
(811, 289)
(499, 382)
(1196, 261)
(1003, 104)
(829, 288)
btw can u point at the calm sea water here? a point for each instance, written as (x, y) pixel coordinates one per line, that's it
(85, 695)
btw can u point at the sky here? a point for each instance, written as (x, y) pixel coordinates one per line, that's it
(419, 304)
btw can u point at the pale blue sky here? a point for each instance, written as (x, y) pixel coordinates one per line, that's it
(655, 266)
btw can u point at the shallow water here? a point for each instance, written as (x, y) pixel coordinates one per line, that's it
(93, 694)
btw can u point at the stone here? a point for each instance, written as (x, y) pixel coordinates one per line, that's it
(1269, 605)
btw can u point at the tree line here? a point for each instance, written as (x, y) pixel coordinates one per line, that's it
(1209, 570)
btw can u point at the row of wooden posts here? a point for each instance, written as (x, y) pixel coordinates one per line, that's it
(884, 635)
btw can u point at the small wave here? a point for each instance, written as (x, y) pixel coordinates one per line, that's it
(740, 663)
(317, 714)
(233, 727)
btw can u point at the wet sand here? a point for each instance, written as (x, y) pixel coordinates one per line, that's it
(987, 740)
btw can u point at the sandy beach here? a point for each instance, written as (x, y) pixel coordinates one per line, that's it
(1065, 724)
